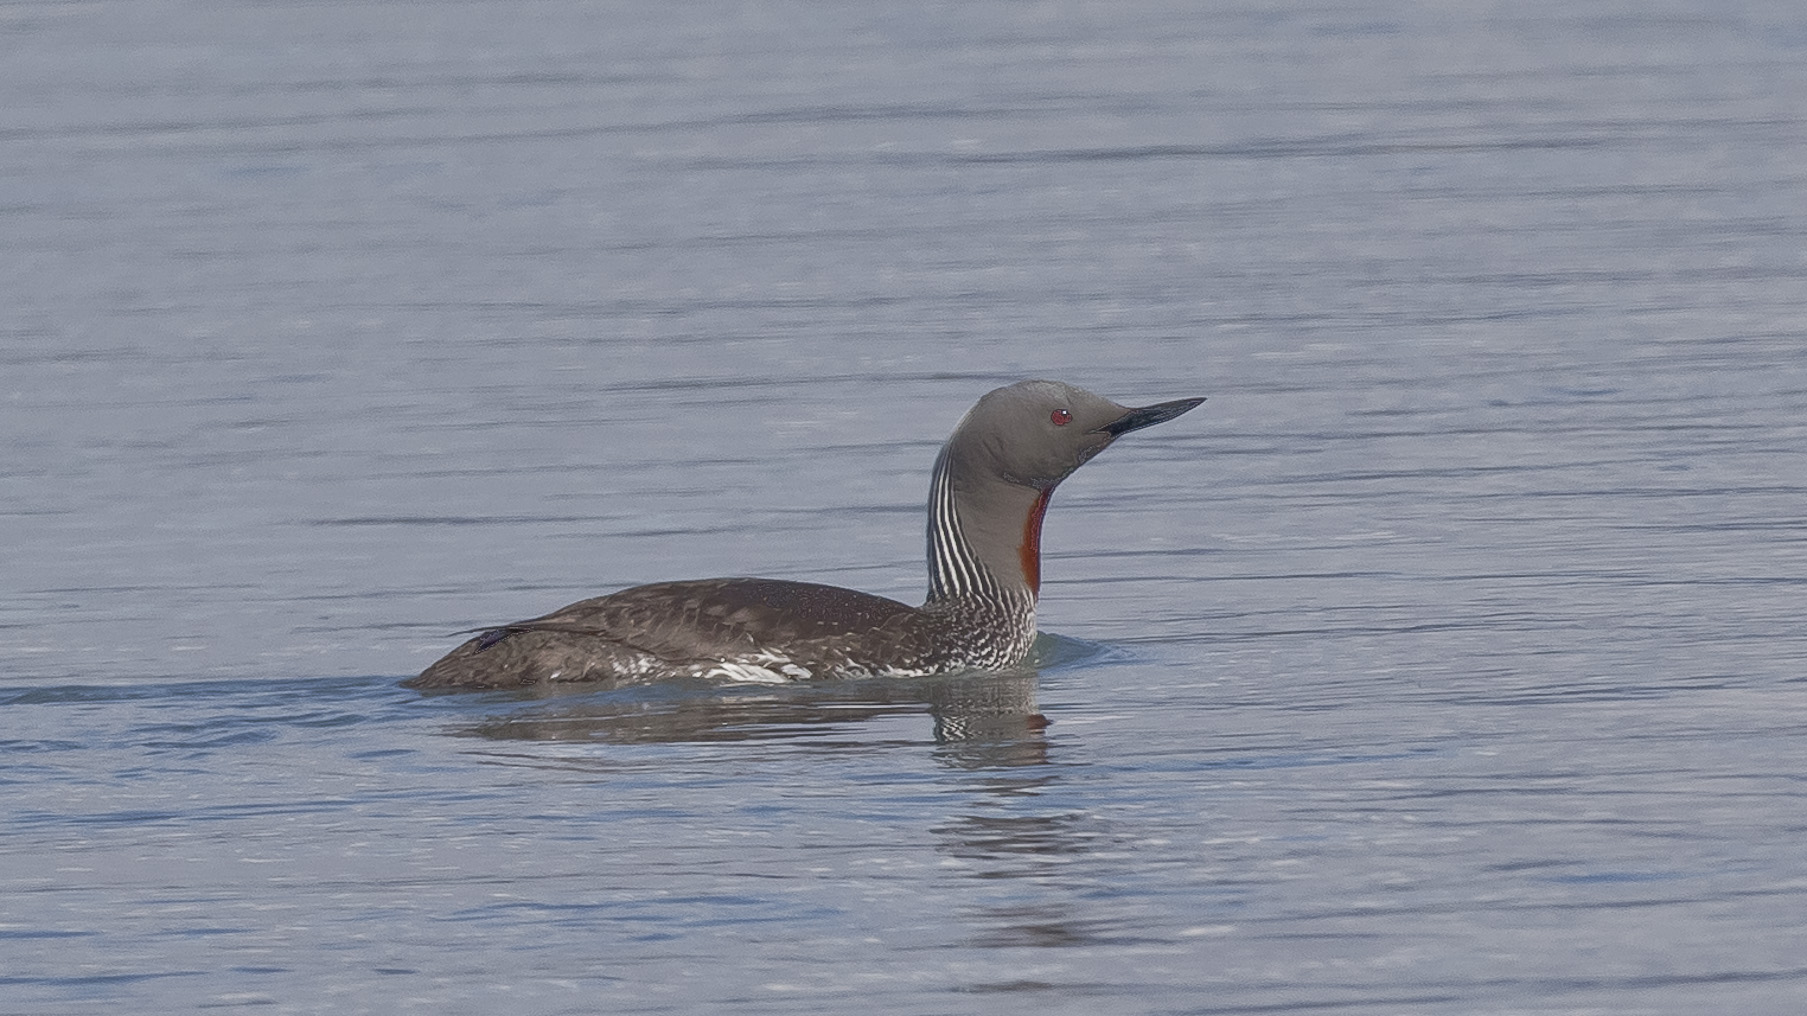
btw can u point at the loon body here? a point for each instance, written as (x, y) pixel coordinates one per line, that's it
(990, 488)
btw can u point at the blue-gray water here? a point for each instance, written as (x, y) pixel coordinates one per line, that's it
(1450, 660)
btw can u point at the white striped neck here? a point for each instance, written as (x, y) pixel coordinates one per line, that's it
(984, 537)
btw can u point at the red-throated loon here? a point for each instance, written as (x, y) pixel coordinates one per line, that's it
(990, 488)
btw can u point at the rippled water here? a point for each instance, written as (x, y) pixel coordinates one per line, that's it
(1450, 659)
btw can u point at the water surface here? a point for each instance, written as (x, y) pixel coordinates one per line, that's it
(1448, 660)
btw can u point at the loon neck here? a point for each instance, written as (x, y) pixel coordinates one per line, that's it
(984, 536)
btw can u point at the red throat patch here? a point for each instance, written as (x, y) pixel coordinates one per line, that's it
(1030, 550)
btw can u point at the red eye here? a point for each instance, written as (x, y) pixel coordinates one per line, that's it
(1061, 417)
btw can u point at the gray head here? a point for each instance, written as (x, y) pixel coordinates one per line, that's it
(997, 471)
(1035, 433)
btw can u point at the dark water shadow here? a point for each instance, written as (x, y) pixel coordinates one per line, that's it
(976, 720)
(962, 708)
(1008, 819)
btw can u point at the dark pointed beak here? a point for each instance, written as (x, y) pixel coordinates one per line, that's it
(1148, 416)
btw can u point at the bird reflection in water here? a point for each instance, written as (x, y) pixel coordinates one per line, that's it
(977, 720)
(1004, 826)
